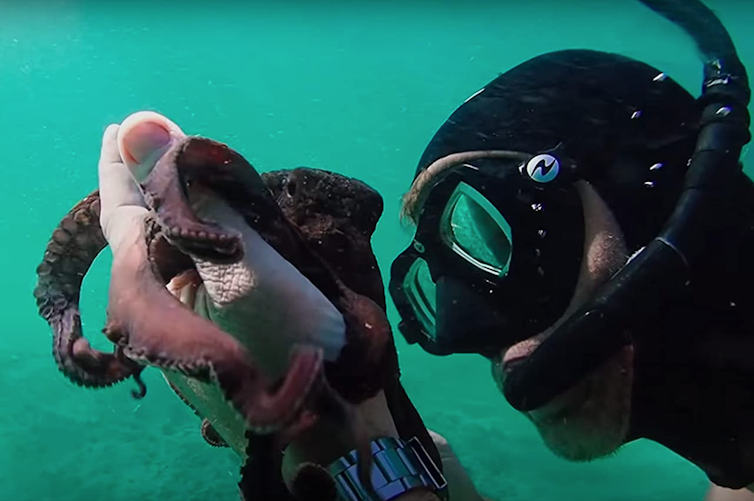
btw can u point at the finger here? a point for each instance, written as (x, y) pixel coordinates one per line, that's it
(109, 152)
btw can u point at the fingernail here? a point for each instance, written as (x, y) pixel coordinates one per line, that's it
(143, 140)
(142, 137)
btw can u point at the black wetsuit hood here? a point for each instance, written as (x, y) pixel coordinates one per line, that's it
(615, 117)
(682, 299)
(619, 124)
(618, 119)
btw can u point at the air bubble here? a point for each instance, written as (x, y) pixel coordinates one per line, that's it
(636, 114)
(649, 184)
(537, 207)
(724, 111)
(541, 233)
(541, 271)
(660, 78)
(656, 166)
(537, 253)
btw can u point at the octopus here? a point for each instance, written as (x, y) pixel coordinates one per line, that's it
(318, 221)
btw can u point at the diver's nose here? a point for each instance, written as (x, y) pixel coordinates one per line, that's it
(143, 138)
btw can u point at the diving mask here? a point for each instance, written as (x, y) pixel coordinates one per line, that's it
(500, 238)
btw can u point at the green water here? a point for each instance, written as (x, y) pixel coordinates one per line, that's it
(355, 90)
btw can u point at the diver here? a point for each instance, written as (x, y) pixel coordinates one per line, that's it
(584, 223)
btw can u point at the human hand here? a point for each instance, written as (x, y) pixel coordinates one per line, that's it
(245, 299)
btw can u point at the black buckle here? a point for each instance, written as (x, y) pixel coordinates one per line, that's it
(438, 479)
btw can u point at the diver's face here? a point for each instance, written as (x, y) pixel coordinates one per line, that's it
(590, 419)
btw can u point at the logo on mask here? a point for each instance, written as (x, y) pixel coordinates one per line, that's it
(543, 168)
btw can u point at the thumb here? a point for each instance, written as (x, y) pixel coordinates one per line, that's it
(129, 152)
(121, 201)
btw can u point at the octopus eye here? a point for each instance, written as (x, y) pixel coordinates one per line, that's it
(290, 187)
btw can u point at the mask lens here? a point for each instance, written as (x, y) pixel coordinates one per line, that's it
(421, 292)
(476, 230)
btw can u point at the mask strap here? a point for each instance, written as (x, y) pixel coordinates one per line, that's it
(414, 199)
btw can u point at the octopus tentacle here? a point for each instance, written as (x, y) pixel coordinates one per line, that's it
(360, 371)
(165, 192)
(151, 327)
(154, 328)
(74, 245)
(217, 167)
(337, 216)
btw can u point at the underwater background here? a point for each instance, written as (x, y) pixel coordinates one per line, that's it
(354, 87)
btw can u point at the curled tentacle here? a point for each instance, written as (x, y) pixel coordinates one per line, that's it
(166, 193)
(74, 245)
(360, 372)
(154, 328)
